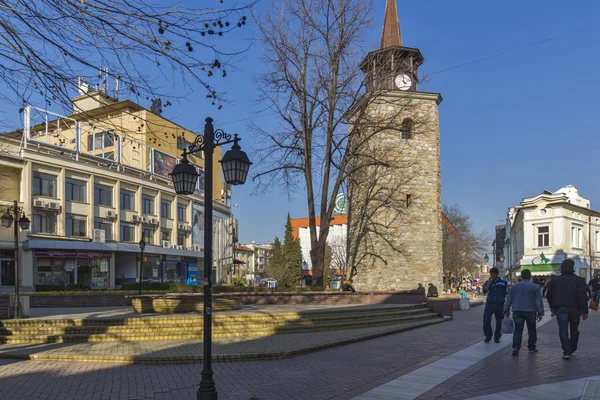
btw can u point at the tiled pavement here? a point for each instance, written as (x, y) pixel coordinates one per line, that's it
(337, 373)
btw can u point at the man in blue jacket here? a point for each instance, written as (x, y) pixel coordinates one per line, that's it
(525, 298)
(496, 289)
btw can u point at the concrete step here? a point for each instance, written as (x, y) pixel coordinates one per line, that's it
(194, 319)
(197, 333)
(221, 326)
(158, 323)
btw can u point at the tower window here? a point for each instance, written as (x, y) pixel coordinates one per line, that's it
(406, 129)
(408, 200)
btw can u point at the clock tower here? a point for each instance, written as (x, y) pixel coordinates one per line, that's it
(394, 218)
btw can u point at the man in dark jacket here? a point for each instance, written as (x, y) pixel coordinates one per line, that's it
(496, 289)
(594, 288)
(432, 291)
(568, 300)
(525, 298)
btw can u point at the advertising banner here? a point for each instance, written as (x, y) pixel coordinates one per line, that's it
(163, 164)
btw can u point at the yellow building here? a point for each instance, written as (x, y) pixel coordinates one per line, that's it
(90, 200)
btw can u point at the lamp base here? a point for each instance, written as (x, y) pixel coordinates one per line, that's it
(207, 395)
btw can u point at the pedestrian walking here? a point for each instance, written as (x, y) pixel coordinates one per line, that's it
(495, 288)
(525, 299)
(567, 298)
(594, 288)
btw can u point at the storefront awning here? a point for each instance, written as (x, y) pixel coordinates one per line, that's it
(540, 269)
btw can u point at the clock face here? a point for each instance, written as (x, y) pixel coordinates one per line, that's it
(403, 82)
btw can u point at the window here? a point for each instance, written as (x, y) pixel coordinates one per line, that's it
(183, 144)
(76, 190)
(44, 185)
(577, 236)
(148, 234)
(598, 241)
(76, 225)
(147, 205)
(109, 155)
(165, 234)
(106, 225)
(181, 213)
(406, 129)
(127, 200)
(127, 232)
(165, 209)
(103, 195)
(43, 222)
(181, 238)
(100, 140)
(543, 236)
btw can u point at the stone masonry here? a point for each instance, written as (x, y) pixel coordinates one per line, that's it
(395, 210)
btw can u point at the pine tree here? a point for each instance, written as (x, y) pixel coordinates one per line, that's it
(292, 252)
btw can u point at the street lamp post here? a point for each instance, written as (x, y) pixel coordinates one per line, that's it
(23, 223)
(142, 244)
(235, 164)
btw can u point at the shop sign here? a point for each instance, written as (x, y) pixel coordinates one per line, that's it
(72, 254)
(155, 273)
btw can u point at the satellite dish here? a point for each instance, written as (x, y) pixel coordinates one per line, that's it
(83, 87)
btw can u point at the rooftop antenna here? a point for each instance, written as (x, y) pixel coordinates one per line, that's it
(117, 87)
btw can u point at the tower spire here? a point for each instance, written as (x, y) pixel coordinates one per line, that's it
(391, 26)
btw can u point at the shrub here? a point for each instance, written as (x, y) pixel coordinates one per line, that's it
(145, 286)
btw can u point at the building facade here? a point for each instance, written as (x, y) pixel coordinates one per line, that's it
(90, 208)
(262, 255)
(395, 203)
(550, 227)
(337, 239)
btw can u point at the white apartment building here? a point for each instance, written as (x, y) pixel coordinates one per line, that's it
(546, 229)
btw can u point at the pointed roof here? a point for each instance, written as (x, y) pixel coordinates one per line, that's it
(391, 26)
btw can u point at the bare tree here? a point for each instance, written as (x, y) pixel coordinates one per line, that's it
(328, 128)
(463, 249)
(46, 45)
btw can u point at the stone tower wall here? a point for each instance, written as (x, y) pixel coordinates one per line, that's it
(403, 244)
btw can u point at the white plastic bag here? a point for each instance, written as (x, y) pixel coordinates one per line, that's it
(508, 326)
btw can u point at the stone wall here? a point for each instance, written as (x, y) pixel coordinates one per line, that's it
(325, 298)
(73, 300)
(401, 245)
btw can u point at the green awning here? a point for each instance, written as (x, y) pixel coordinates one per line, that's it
(540, 268)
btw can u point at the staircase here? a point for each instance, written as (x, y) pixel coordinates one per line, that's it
(183, 327)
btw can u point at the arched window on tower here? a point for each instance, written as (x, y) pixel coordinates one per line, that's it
(406, 129)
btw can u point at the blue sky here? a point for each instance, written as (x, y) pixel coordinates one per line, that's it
(511, 125)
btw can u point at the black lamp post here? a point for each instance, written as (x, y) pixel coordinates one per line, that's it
(142, 247)
(235, 165)
(23, 223)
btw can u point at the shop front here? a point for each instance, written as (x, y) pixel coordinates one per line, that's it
(7, 268)
(77, 269)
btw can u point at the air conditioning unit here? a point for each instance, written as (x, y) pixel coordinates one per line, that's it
(154, 221)
(111, 214)
(179, 247)
(188, 228)
(99, 235)
(190, 248)
(54, 206)
(39, 203)
(166, 244)
(181, 227)
(173, 246)
(135, 218)
(198, 248)
(144, 220)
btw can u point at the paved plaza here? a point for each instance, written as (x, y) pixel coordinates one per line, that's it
(397, 366)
